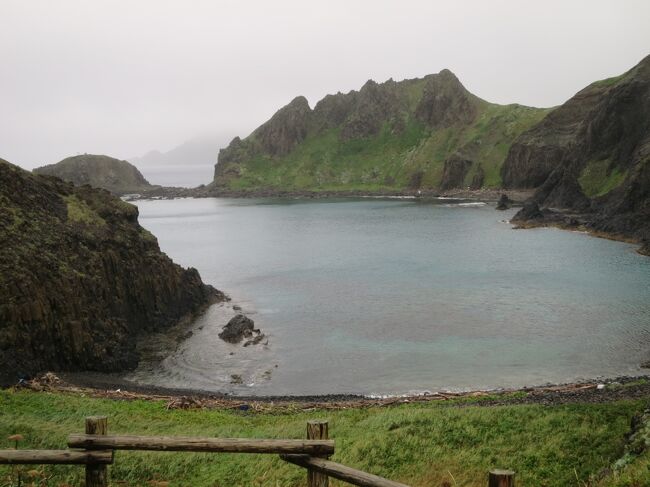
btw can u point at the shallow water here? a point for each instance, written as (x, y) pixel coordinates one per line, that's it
(381, 296)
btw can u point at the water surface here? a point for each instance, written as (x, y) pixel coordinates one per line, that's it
(382, 296)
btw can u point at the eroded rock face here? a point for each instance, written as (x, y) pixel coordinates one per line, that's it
(80, 279)
(455, 170)
(445, 101)
(238, 328)
(592, 155)
(118, 177)
(375, 105)
(286, 128)
(530, 211)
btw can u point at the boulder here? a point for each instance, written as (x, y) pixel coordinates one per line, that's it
(530, 211)
(504, 202)
(238, 328)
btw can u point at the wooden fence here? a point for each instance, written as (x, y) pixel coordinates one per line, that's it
(95, 449)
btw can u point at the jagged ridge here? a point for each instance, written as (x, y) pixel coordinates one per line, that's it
(420, 133)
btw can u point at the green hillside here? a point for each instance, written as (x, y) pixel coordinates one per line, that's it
(415, 134)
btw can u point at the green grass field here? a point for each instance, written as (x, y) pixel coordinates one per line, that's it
(423, 444)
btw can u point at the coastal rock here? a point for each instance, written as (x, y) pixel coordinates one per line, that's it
(254, 341)
(80, 279)
(238, 328)
(530, 211)
(592, 156)
(504, 202)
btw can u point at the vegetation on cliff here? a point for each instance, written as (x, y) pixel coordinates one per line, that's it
(119, 177)
(80, 278)
(414, 134)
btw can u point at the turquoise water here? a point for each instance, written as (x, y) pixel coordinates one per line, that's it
(381, 296)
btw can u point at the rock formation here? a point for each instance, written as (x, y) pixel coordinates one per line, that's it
(591, 156)
(80, 279)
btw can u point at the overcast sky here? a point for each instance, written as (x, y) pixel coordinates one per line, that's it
(123, 77)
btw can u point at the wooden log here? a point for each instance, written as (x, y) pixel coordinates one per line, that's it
(341, 472)
(55, 457)
(501, 478)
(317, 430)
(96, 475)
(224, 445)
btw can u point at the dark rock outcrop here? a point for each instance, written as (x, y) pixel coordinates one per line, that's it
(478, 179)
(530, 211)
(238, 328)
(455, 170)
(286, 128)
(118, 177)
(374, 105)
(445, 101)
(592, 156)
(80, 279)
(504, 202)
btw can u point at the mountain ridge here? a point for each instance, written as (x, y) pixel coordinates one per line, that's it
(390, 135)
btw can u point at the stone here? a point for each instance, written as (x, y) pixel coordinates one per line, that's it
(237, 329)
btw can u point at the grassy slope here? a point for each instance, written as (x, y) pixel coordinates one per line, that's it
(422, 445)
(386, 162)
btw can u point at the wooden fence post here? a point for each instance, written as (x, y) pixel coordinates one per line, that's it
(501, 478)
(96, 475)
(317, 430)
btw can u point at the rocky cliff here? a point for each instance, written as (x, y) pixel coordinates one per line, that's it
(590, 158)
(80, 278)
(118, 177)
(423, 133)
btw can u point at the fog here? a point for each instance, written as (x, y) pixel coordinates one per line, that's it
(123, 77)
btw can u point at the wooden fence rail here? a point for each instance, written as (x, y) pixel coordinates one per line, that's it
(341, 472)
(50, 457)
(97, 451)
(189, 444)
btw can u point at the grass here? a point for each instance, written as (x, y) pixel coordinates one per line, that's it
(597, 179)
(79, 211)
(419, 444)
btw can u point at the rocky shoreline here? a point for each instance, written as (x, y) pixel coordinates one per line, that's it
(531, 216)
(113, 387)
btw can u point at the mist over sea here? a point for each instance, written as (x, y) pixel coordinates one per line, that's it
(381, 296)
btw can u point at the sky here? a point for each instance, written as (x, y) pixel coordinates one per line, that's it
(125, 77)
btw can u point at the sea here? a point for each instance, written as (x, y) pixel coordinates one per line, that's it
(391, 296)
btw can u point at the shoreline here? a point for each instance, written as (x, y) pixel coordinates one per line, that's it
(483, 194)
(111, 387)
